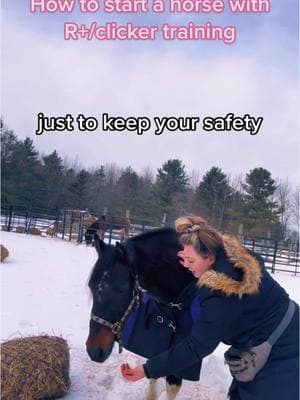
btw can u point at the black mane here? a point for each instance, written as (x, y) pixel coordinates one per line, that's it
(159, 269)
(154, 256)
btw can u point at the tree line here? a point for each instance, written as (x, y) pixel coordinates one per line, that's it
(257, 204)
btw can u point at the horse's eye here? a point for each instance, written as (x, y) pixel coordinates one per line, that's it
(102, 285)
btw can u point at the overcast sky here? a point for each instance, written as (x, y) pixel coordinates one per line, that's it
(258, 76)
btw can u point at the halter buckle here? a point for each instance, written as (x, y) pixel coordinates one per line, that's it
(176, 305)
(116, 328)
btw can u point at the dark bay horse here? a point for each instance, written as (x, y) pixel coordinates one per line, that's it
(144, 263)
(104, 224)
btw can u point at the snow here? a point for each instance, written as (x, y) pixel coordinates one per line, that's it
(44, 290)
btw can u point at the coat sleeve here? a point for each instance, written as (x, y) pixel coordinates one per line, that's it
(207, 332)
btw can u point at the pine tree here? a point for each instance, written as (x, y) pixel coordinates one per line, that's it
(214, 193)
(53, 177)
(23, 174)
(9, 144)
(29, 174)
(260, 212)
(171, 179)
(79, 190)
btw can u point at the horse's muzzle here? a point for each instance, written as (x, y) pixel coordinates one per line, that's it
(97, 354)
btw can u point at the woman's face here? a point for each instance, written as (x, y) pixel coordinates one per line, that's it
(194, 261)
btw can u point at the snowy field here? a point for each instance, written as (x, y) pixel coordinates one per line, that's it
(44, 290)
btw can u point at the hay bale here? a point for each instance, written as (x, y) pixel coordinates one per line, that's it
(20, 229)
(4, 252)
(35, 231)
(34, 368)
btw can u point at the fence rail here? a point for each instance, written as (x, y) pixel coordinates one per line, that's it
(24, 219)
(278, 256)
(72, 225)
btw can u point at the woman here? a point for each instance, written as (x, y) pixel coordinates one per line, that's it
(242, 306)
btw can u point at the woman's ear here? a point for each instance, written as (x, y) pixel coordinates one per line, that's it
(180, 257)
(211, 259)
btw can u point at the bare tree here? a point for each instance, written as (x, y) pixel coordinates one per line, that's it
(295, 208)
(148, 175)
(195, 178)
(224, 200)
(112, 174)
(282, 197)
(233, 222)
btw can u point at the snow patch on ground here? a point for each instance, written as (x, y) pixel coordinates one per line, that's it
(44, 290)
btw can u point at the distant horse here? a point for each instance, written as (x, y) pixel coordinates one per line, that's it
(74, 218)
(105, 223)
(147, 262)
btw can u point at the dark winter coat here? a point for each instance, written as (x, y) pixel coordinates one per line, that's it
(241, 305)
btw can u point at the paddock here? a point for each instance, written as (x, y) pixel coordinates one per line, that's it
(72, 225)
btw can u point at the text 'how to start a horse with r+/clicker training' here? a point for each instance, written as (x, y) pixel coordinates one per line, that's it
(136, 27)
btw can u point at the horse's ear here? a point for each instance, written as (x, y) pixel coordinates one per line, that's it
(99, 244)
(121, 252)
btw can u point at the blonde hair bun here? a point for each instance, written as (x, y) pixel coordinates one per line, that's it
(195, 231)
(189, 224)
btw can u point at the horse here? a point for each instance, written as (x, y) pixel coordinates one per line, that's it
(145, 263)
(104, 223)
(75, 217)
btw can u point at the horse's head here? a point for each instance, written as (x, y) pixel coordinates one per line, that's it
(112, 284)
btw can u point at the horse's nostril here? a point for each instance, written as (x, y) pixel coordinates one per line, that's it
(95, 354)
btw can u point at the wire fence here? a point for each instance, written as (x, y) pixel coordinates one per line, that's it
(71, 224)
(76, 225)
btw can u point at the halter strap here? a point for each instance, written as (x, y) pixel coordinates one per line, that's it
(116, 327)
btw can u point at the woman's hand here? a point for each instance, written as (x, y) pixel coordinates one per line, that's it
(132, 374)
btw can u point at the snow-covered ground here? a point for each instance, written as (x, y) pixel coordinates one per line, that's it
(44, 290)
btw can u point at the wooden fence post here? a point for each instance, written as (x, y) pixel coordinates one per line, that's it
(27, 222)
(64, 224)
(274, 257)
(80, 227)
(9, 218)
(297, 258)
(110, 234)
(56, 222)
(71, 225)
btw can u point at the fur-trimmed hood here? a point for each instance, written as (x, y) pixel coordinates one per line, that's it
(239, 258)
